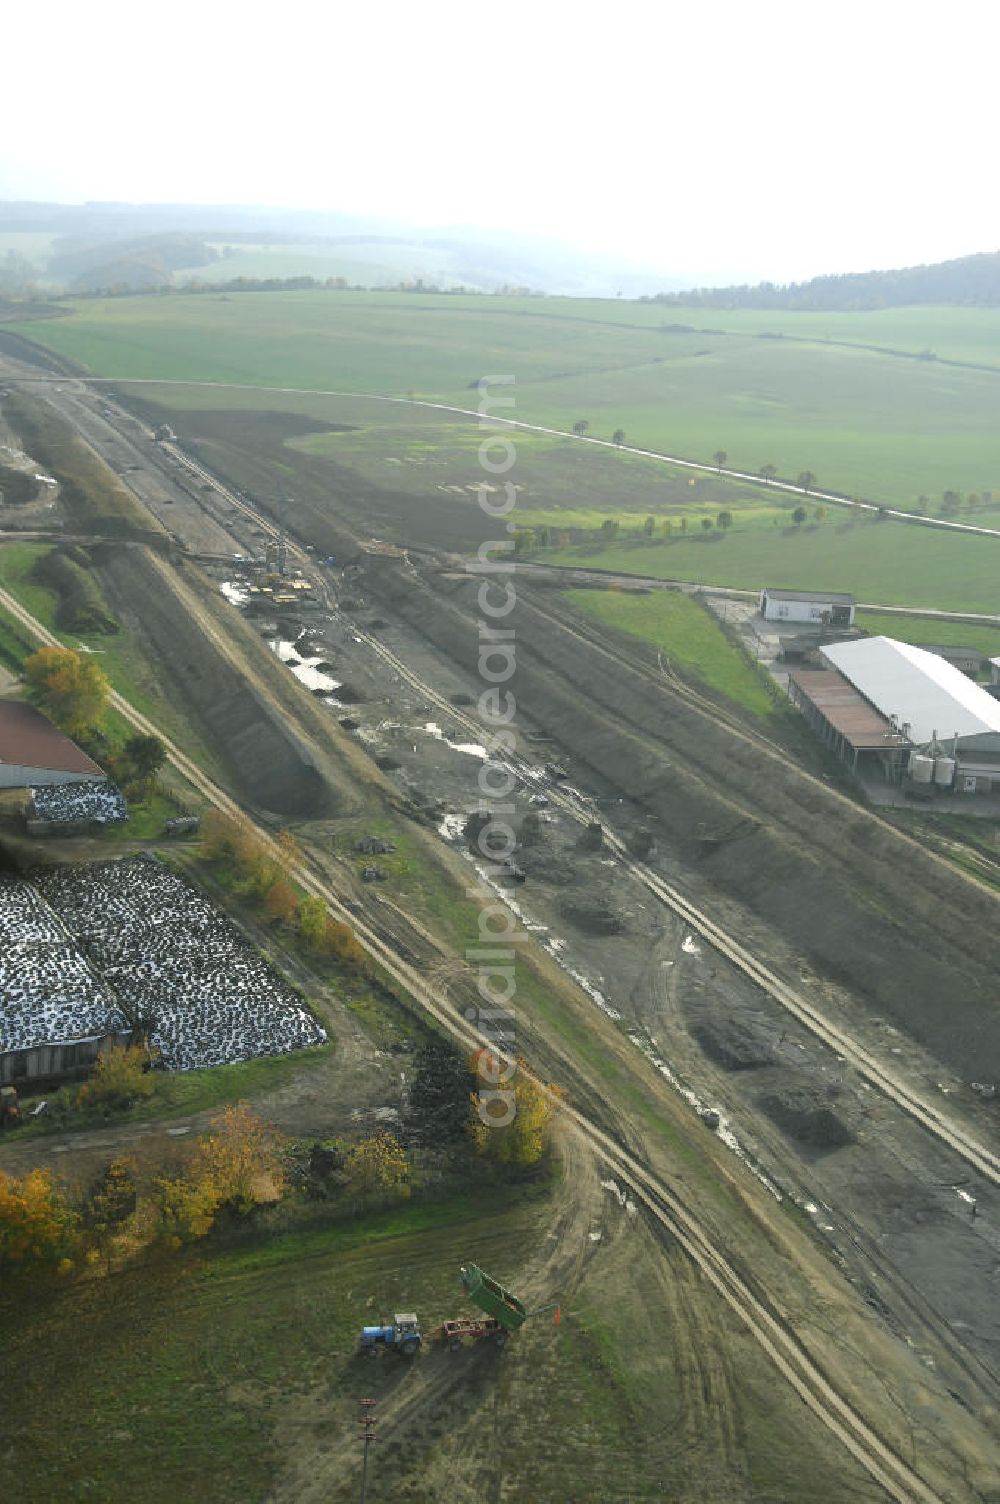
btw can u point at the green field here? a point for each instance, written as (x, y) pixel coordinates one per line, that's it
(369, 265)
(881, 563)
(689, 637)
(888, 427)
(919, 629)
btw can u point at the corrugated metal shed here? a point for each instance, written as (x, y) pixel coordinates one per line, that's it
(832, 597)
(848, 712)
(920, 689)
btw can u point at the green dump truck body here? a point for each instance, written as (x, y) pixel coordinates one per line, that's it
(492, 1298)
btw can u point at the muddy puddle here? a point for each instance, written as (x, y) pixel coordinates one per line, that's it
(306, 670)
(472, 749)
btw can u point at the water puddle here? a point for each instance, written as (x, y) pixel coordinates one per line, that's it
(472, 749)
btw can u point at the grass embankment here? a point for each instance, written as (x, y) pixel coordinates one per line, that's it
(176, 1094)
(94, 498)
(689, 637)
(837, 394)
(68, 573)
(126, 668)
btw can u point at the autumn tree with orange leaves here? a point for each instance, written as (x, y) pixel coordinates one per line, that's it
(239, 1164)
(72, 689)
(38, 1227)
(377, 1164)
(512, 1111)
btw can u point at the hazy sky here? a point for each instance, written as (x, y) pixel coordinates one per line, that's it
(710, 139)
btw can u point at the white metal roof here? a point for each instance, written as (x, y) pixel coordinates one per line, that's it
(917, 687)
(821, 597)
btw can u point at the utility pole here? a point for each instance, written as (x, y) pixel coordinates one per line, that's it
(367, 1422)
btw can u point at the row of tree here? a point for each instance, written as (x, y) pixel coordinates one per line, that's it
(242, 1163)
(262, 872)
(529, 538)
(237, 1164)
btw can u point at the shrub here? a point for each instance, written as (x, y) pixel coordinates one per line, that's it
(121, 1078)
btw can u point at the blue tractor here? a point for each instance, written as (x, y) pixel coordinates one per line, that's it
(403, 1336)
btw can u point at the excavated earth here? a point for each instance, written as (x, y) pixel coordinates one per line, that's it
(907, 937)
(893, 1206)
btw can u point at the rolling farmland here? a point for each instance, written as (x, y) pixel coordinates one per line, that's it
(822, 396)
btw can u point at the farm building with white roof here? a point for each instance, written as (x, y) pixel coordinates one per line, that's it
(907, 709)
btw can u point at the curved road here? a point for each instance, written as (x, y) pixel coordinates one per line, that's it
(519, 423)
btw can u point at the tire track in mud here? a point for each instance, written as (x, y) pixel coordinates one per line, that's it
(440, 1387)
(738, 1289)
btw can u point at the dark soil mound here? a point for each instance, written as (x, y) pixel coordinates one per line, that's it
(548, 866)
(805, 1117)
(732, 1045)
(347, 694)
(593, 914)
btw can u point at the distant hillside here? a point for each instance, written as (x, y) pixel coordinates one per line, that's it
(96, 265)
(96, 247)
(971, 280)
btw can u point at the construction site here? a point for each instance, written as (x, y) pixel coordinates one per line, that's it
(772, 1010)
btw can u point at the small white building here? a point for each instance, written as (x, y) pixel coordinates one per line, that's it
(820, 607)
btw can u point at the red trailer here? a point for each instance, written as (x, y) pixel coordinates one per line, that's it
(453, 1334)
